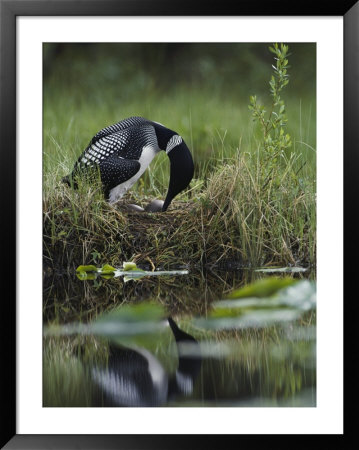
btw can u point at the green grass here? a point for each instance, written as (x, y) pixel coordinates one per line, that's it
(226, 214)
(230, 212)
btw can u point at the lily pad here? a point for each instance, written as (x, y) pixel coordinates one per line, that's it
(262, 288)
(86, 275)
(108, 275)
(130, 324)
(107, 269)
(129, 266)
(130, 271)
(137, 274)
(89, 268)
(233, 307)
(145, 311)
(252, 319)
(286, 304)
(133, 276)
(302, 295)
(281, 269)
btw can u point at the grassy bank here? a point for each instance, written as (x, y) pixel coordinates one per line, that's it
(244, 204)
(228, 219)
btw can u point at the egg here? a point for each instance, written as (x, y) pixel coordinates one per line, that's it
(154, 206)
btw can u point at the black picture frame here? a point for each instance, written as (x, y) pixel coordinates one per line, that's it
(9, 10)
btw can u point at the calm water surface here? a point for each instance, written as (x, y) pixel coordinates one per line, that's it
(181, 365)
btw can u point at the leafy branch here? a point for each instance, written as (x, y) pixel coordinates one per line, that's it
(275, 140)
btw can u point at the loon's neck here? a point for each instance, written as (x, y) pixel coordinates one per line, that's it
(163, 135)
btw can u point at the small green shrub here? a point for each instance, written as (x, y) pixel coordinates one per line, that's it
(275, 140)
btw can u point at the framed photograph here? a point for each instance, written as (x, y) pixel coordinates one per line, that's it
(174, 185)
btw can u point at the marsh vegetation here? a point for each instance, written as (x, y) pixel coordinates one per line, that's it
(252, 198)
(248, 115)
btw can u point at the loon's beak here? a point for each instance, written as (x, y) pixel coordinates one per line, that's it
(181, 173)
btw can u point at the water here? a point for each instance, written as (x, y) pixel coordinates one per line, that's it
(108, 343)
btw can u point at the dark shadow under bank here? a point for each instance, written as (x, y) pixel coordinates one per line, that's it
(66, 298)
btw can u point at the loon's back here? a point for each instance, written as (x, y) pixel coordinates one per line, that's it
(122, 152)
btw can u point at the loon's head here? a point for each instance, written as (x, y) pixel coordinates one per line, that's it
(182, 168)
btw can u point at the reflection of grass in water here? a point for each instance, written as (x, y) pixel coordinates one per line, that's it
(261, 377)
(68, 299)
(66, 380)
(226, 215)
(273, 363)
(269, 363)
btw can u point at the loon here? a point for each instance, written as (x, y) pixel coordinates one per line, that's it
(123, 151)
(135, 377)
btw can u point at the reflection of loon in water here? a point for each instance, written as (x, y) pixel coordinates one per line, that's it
(134, 377)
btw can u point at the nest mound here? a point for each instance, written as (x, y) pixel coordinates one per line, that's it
(141, 220)
(116, 233)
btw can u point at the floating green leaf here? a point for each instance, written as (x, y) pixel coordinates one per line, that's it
(252, 319)
(137, 274)
(286, 304)
(131, 324)
(134, 276)
(89, 268)
(145, 311)
(107, 270)
(281, 269)
(130, 271)
(128, 266)
(227, 308)
(302, 295)
(86, 275)
(108, 275)
(262, 288)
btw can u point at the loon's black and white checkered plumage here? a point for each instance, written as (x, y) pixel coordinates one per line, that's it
(135, 377)
(123, 151)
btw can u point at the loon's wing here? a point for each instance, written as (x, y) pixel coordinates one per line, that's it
(119, 126)
(118, 153)
(127, 143)
(116, 170)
